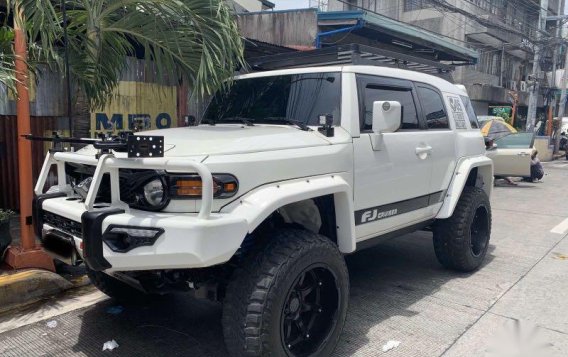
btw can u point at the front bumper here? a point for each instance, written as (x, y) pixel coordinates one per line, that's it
(187, 241)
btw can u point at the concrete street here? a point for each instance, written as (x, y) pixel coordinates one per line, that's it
(517, 300)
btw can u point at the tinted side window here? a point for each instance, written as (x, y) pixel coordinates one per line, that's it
(434, 112)
(375, 93)
(470, 112)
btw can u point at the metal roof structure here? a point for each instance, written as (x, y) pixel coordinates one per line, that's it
(351, 54)
(256, 48)
(408, 38)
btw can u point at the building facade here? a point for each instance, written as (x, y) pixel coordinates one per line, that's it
(251, 5)
(503, 32)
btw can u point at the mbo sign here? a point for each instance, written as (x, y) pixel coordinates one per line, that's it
(134, 121)
(137, 106)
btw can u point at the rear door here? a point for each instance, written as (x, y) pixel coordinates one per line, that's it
(512, 155)
(441, 138)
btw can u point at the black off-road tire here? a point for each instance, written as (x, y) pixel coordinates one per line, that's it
(113, 287)
(260, 298)
(461, 241)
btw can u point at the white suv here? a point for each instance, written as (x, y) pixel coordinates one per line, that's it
(288, 171)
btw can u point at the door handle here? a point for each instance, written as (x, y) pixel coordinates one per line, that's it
(421, 150)
(523, 154)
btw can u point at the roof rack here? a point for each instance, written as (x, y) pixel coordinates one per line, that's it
(355, 54)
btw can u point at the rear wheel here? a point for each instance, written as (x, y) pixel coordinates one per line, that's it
(461, 241)
(288, 299)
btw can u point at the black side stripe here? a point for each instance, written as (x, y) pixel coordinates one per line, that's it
(372, 214)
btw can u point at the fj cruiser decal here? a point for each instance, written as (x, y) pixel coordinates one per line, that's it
(457, 112)
(373, 214)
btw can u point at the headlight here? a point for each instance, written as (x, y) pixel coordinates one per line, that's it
(154, 195)
(153, 190)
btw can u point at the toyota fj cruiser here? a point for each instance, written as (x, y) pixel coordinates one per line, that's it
(256, 206)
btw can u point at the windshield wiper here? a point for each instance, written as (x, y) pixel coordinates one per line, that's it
(246, 121)
(300, 124)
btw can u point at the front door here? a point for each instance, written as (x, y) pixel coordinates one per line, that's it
(392, 184)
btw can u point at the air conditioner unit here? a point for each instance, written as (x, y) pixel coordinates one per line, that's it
(524, 86)
(513, 85)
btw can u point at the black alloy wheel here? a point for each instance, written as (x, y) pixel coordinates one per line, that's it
(310, 311)
(288, 298)
(462, 240)
(479, 232)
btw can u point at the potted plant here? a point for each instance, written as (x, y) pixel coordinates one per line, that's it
(5, 237)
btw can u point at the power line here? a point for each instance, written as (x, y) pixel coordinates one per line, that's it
(466, 23)
(480, 20)
(401, 22)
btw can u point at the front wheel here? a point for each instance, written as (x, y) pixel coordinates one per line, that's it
(289, 299)
(461, 241)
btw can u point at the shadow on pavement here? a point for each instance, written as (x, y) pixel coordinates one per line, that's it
(386, 281)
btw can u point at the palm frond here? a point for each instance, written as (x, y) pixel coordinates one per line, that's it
(7, 70)
(192, 40)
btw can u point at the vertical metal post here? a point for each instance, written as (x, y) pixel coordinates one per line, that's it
(67, 72)
(28, 254)
(550, 113)
(533, 98)
(515, 96)
(552, 101)
(24, 127)
(502, 66)
(559, 36)
(562, 97)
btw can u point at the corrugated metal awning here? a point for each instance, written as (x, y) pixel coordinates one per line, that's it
(383, 25)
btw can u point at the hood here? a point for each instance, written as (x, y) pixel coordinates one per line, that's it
(226, 139)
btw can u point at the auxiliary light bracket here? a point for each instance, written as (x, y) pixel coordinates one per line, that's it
(137, 146)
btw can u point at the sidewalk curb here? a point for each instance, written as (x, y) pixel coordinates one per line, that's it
(30, 285)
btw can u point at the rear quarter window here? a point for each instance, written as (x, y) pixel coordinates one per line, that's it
(470, 112)
(433, 108)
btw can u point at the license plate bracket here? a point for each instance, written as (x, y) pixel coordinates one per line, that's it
(144, 146)
(61, 246)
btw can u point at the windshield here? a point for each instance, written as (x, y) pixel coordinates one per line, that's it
(279, 99)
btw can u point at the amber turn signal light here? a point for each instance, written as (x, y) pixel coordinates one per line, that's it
(190, 186)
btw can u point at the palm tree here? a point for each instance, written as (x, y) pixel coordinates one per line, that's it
(7, 72)
(192, 40)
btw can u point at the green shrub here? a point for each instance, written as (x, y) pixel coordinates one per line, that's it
(6, 214)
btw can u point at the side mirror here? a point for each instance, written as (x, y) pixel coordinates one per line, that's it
(387, 116)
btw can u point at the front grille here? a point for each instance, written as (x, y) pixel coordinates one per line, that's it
(63, 224)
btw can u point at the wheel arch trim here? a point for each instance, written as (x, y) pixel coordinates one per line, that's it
(256, 206)
(464, 167)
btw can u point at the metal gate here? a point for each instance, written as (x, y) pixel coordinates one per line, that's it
(9, 187)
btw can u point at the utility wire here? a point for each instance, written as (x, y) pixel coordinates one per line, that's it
(480, 20)
(544, 40)
(433, 4)
(420, 27)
